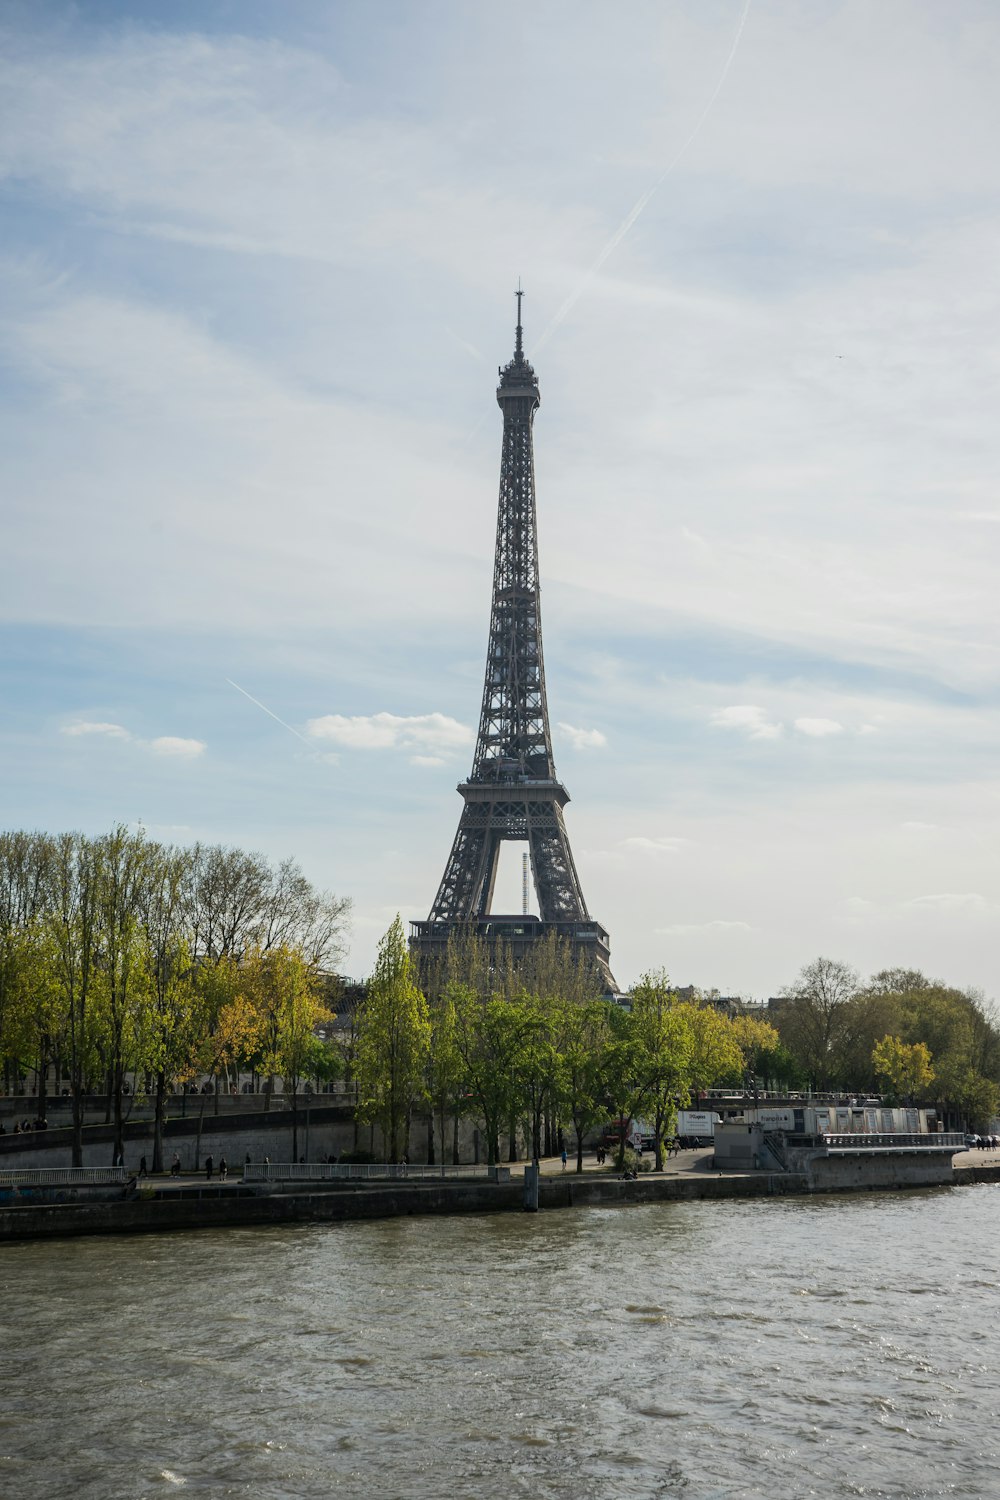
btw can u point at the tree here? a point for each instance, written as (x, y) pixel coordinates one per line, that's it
(581, 1067)
(72, 939)
(812, 1019)
(757, 1040)
(493, 1038)
(123, 867)
(169, 1039)
(445, 1074)
(394, 1033)
(665, 1047)
(275, 1008)
(905, 1067)
(25, 896)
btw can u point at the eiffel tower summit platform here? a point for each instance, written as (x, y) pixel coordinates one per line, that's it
(513, 792)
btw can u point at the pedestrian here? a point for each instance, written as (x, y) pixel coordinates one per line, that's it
(246, 1160)
(142, 1167)
(209, 1164)
(564, 1158)
(223, 1169)
(175, 1166)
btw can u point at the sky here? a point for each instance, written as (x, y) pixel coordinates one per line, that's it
(257, 268)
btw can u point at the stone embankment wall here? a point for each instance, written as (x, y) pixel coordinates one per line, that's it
(210, 1206)
(325, 1129)
(330, 1131)
(833, 1174)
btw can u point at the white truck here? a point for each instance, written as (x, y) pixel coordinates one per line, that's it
(696, 1126)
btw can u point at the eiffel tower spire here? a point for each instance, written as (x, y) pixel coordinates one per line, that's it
(512, 792)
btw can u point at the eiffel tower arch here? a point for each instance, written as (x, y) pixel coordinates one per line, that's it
(513, 792)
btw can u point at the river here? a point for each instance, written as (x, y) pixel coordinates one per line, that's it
(830, 1347)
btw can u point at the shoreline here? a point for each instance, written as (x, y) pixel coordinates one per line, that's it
(216, 1206)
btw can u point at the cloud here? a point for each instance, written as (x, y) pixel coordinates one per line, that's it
(747, 717)
(384, 731)
(171, 744)
(693, 929)
(85, 726)
(427, 760)
(955, 903)
(583, 739)
(818, 729)
(168, 745)
(642, 845)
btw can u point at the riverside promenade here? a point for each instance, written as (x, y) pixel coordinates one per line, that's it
(163, 1203)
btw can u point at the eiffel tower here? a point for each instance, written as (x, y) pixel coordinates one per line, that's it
(513, 792)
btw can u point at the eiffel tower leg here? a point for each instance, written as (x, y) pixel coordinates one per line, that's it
(466, 888)
(557, 884)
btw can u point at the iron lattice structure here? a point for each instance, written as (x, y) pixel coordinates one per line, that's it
(513, 792)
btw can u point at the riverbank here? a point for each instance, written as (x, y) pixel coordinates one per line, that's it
(166, 1205)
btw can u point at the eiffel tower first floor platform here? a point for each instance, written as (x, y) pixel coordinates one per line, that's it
(587, 940)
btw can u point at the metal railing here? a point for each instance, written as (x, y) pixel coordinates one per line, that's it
(359, 1171)
(894, 1140)
(62, 1176)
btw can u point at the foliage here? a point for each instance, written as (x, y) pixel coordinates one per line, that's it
(905, 1067)
(394, 1036)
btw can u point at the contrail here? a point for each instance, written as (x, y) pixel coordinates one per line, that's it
(268, 712)
(638, 207)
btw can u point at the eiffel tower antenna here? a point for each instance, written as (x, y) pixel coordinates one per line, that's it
(512, 792)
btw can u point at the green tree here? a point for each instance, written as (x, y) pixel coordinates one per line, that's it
(906, 1067)
(394, 1033)
(665, 1038)
(171, 1012)
(493, 1038)
(813, 1018)
(582, 1064)
(445, 1075)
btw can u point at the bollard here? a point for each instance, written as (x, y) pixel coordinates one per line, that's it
(531, 1187)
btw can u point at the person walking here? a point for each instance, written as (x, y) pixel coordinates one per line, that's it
(209, 1164)
(223, 1169)
(175, 1166)
(142, 1167)
(564, 1158)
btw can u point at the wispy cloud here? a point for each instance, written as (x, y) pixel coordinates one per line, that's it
(86, 726)
(385, 731)
(168, 745)
(698, 929)
(956, 903)
(640, 844)
(818, 729)
(181, 749)
(749, 719)
(583, 739)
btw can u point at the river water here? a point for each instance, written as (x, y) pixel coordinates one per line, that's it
(839, 1346)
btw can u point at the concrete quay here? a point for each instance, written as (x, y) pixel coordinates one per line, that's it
(165, 1203)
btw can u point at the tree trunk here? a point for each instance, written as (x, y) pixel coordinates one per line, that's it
(197, 1139)
(579, 1146)
(455, 1156)
(430, 1138)
(77, 1087)
(42, 1074)
(119, 1116)
(295, 1123)
(161, 1089)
